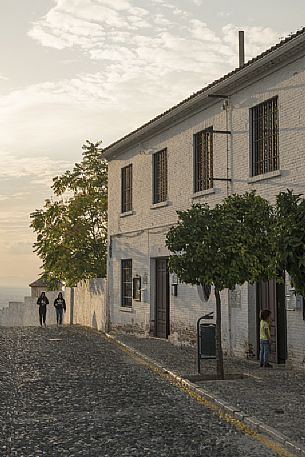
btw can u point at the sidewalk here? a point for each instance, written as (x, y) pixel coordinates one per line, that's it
(271, 400)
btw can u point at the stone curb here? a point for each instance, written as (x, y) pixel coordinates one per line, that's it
(251, 422)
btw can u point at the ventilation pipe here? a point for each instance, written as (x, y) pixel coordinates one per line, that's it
(241, 34)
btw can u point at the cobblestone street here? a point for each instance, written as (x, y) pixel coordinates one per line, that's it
(70, 392)
(282, 388)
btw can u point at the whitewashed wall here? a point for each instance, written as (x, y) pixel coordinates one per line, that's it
(86, 304)
(139, 235)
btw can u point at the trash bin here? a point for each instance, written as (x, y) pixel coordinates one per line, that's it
(207, 340)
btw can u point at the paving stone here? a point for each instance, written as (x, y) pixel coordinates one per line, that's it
(274, 396)
(71, 392)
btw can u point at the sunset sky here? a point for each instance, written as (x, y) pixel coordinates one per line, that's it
(73, 70)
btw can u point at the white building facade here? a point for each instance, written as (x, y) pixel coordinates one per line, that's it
(244, 132)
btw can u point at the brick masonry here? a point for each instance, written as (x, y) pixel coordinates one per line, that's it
(141, 235)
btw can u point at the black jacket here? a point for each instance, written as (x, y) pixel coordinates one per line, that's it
(42, 301)
(60, 303)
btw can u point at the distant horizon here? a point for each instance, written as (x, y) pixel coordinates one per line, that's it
(9, 294)
(17, 283)
(18, 287)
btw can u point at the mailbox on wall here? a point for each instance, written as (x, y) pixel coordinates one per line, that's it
(136, 288)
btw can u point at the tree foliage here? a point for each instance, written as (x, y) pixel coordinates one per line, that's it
(224, 246)
(290, 237)
(71, 228)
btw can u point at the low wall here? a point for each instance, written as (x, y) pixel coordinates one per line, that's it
(86, 304)
(25, 314)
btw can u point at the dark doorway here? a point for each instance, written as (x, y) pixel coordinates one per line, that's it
(271, 295)
(162, 298)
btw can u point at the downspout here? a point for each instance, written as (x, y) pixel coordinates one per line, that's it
(230, 175)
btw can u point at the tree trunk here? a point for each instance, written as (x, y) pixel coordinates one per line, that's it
(219, 355)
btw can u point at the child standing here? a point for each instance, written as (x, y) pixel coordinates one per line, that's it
(265, 339)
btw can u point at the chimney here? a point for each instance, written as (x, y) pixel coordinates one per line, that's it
(241, 34)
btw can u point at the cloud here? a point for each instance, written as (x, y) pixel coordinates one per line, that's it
(135, 42)
(20, 248)
(10, 219)
(16, 235)
(141, 72)
(224, 13)
(23, 245)
(202, 32)
(37, 169)
(85, 24)
(160, 19)
(13, 196)
(146, 59)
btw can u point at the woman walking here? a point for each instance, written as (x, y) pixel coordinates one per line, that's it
(42, 302)
(60, 306)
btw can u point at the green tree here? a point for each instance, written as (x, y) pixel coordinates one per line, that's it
(224, 246)
(71, 228)
(290, 237)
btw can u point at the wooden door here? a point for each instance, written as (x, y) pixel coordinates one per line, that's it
(271, 295)
(266, 295)
(162, 298)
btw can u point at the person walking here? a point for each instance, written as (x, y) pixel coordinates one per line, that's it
(60, 306)
(265, 339)
(42, 302)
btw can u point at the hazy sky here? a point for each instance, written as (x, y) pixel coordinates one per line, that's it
(73, 70)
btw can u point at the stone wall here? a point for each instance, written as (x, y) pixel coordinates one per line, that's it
(86, 304)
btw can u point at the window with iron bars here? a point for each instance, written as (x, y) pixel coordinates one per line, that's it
(203, 160)
(126, 189)
(126, 283)
(160, 176)
(265, 137)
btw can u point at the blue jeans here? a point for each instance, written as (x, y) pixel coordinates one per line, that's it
(264, 352)
(59, 312)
